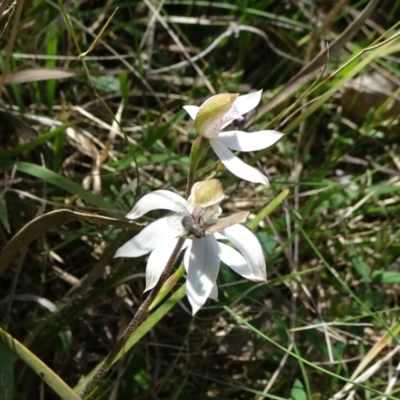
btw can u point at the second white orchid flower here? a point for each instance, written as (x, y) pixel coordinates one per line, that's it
(218, 112)
(204, 251)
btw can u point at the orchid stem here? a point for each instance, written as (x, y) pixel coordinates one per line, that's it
(198, 150)
(190, 177)
(134, 324)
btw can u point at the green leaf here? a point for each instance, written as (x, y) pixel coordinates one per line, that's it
(361, 267)
(4, 215)
(106, 83)
(268, 242)
(298, 392)
(386, 277)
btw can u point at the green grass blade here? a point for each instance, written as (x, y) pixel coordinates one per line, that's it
(40, 368)
(268, 209)
(63, 183)
(6, 154)
(6, 373)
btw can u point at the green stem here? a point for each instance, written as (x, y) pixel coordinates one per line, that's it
(197, 152)
(167, 287)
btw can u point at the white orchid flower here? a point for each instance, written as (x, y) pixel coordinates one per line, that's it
(203, 251)
(218, 112)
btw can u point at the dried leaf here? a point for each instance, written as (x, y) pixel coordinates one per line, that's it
(40, 225)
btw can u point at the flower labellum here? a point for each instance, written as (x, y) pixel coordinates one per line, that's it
(203, 251)
(218, 112)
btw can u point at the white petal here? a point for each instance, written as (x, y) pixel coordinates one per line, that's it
(218, 236)
(202, 265)
(151, 237)
(159, 199)
(158, 260)
(232, 258)
(214, 292)
(237, 166)
(245, 141)
(242, 105)
(192, 111)
(246, 103)
(247, 243)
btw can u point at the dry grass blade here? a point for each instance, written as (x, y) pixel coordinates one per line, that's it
(40, 225)
(39, 74)
(365, 376)
(44, 74)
